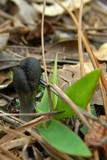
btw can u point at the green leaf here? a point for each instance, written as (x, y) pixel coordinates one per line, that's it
(44, 105)
(80, 93)
(54, 80)
(62, 138)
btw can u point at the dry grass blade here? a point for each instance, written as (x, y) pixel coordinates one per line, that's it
(30, 114)
(42, 41)
(43, 56)
(17, 143)
(23, 128)
(80, 41)
(94, 118)
(4, 157)
(8, 153)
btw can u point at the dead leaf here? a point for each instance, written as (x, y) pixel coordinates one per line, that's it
(97, 97)
(26, 13)
(101, 54)
(70, 74)
(7, 60)
(53, 9)
(3, 103)
(3, 40)
(67, 49)
(92, 139)
(95, 140)
(5, 79)
(36, 32)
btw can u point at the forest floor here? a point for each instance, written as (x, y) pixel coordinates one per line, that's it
(77, 33)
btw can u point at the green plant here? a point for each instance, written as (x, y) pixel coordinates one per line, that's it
(80, 93)
(56, 133)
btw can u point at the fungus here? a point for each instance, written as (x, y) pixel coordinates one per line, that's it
(26, 79)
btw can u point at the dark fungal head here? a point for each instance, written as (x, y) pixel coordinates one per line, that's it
(26, 77)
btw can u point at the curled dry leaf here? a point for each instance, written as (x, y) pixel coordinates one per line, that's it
(93, 140)
(5, 79)
(54, 9)
(3, 103)
(101, 54)
(26, 12)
